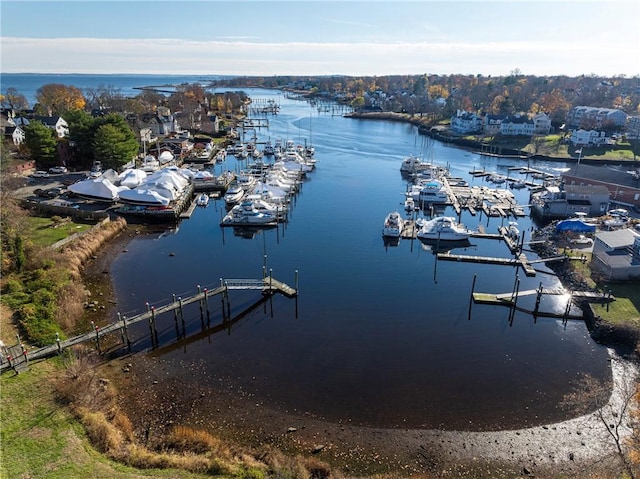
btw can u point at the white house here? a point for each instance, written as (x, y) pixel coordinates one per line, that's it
(14, 134)
(517, 125)
(588, 137)
(541, 124)
(56, 123)
(491, 124)
(465, 122)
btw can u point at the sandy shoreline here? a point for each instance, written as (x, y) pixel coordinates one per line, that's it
(571, 447)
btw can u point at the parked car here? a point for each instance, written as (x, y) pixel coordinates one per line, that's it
(40, 192)
(58, 169)
(53, 192)
(582, 239)
(40, 174)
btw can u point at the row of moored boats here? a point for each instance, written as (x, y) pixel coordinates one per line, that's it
(260, 194)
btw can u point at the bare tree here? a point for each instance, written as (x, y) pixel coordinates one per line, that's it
(616, 411)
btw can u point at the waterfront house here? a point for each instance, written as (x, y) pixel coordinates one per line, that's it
(616, 254)
(516, 125)
(159, 124)
(595, 117)
(464, 122)
(564, 201)
(541, 124)
(491, 124)
(588, 138)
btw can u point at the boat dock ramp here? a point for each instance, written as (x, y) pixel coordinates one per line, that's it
(19, 356)
(493, 202)
(511, 300)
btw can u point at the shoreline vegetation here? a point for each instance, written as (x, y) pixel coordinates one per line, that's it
(80, 398)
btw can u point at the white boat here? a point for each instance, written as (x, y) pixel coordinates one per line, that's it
(233, 195)
(409, 204)
(245, 181)
(413, 164)
(431, 192)
(221, 156)
(393, 224)
(512, 230)
(247, 214)
(264, 206)
(517, 184)
(202, 200)
(443, 228)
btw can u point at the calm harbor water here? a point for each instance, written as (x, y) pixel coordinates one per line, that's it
(380, 335)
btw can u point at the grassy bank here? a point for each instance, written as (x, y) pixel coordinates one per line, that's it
(41, 438)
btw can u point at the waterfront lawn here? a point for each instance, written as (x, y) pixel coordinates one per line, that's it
(44, 231)
(41, 439)
(626, 307)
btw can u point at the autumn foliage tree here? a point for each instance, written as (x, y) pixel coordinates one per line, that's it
(57, 99)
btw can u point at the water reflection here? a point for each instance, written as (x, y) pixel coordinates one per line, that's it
(383, 336)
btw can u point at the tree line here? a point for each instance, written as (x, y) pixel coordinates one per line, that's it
(113, 141)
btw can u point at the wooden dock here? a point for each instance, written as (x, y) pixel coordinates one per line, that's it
(19, 358)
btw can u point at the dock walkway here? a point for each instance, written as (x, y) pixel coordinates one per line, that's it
(19, 357)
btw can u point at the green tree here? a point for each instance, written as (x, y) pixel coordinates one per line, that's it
(82, 128)
(114, 143)
(41, 142)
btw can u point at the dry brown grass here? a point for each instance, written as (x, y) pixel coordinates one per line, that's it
(103, 434)
(186, 439)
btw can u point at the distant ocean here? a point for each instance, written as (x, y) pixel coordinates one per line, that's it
(28, 83)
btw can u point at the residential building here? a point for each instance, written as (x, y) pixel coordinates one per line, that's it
(632, 130)
(491, 124)
(588, 138)
(616, 254)
(566, 200)
(14, 135)
(517, 125)
(56, 123)
(598, 116)
(623, 183)
(465, 122)
(541, 124)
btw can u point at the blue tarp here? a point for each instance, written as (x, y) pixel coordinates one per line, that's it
(575, 225)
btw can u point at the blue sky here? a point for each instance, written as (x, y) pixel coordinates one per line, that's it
(570, 37)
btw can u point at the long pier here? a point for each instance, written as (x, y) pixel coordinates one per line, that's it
(19, 356)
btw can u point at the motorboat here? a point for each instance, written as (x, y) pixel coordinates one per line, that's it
(518, 184)
(443, 228)
(233, 195)
(245, 181)
(432, 191)
(512, 230)
(409, 205)
(247, 214)
(268, 149)
(202, 200)
(393, 224)
(413, 164)
(264, 206)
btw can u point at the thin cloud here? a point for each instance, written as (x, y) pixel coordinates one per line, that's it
(174, 56)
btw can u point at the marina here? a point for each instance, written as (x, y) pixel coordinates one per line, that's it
(371, 324)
